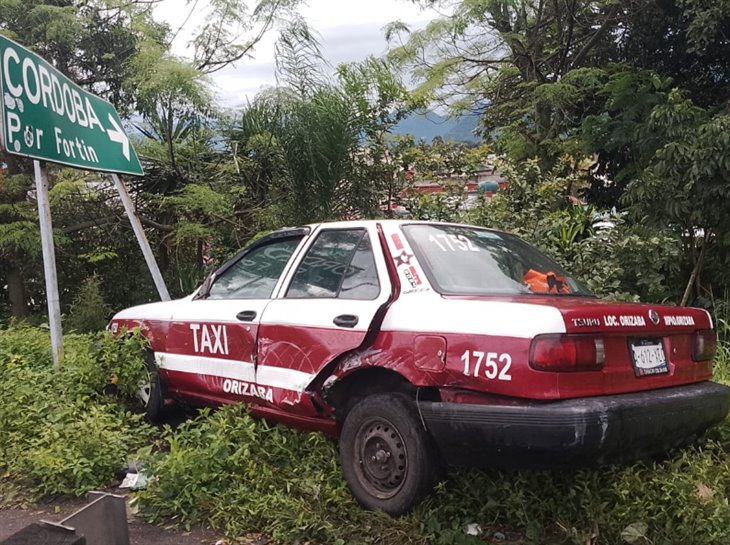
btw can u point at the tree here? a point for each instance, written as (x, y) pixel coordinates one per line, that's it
(92, 237)
(686, 184)
(317, 148)
(174, 99)
(92, 42)
(117, 50)
(381, 100)
(19, 239)
(638, 88)
(232, 30)
(508, 60)
(190, 187)
(532, 67)
(686, 41)
(626, 261)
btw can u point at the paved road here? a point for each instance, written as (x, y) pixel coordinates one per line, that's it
(140, 533)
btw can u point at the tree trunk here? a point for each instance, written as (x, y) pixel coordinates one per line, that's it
(16, 292)
(695, 272)
(200, 266)
(16, 285)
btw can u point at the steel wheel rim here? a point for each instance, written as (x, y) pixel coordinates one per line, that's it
(382, 458)
(144, 389)
(144, 392)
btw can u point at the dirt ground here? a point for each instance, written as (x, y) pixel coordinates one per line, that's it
(140, 533)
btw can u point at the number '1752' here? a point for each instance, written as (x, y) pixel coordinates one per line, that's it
(489, 364)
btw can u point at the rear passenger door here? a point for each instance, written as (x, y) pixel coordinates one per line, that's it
(325, 308)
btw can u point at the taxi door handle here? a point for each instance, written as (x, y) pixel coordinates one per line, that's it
(346, 320)
(246, 315)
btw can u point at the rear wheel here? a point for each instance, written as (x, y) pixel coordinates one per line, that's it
(386, 454)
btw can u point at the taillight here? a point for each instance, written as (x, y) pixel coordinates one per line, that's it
(704, 345)
(567, 353)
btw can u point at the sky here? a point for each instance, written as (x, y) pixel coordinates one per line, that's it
(349, 31)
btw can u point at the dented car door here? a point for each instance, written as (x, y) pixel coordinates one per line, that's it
(210, 352)
(325, 308)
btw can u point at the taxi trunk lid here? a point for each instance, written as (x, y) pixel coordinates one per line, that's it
(645, 346)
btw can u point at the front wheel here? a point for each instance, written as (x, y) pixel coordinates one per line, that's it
(386, 454)
(149, 391)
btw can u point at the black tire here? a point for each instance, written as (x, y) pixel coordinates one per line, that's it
(387, 456)
(151, 393)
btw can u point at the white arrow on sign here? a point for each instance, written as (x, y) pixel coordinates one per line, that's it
(117, 135)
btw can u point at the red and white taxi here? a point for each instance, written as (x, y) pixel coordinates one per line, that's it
(418, 343)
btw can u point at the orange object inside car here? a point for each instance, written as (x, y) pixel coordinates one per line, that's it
(548, 282)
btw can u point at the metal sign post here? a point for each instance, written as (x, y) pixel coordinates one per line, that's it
(49, 263)
(47, 117)
(141, 238)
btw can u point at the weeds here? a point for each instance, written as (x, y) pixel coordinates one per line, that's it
(60, 433)
(229, 470)
(243, 476)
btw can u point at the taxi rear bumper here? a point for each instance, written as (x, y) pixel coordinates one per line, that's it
(585, 431)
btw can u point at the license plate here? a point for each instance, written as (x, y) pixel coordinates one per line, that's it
(648, 357)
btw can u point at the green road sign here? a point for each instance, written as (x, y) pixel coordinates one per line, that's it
(48, 117)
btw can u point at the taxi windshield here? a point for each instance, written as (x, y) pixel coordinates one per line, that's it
(461, 260)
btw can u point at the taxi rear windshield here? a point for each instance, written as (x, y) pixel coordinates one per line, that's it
(470, 261)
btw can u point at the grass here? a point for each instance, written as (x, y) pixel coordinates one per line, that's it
(244, 476)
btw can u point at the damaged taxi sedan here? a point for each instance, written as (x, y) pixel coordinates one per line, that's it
(419, 343)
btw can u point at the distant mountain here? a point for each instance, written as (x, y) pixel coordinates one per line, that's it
(428, 125)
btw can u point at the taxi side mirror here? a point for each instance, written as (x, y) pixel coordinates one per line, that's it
(204, 289)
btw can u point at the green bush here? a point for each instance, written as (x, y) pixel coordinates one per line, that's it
(31, 345)
(60, 433)
(626, 261)
(242, 475)
(681, 500)
(88, 312)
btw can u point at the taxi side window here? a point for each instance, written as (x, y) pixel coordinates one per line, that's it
(340, 263)
(256, 273)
